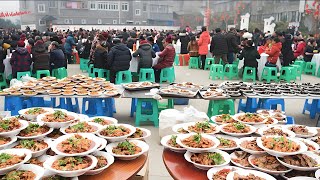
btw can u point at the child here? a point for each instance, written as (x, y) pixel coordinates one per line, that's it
(250, 56)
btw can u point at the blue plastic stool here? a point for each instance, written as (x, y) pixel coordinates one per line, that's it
(67, 104)
(134, 102)
(109, 106)
(250, 105)
(95, 107)
(313, 107)
(272, 104)
(15, 103)
(40, 102)
(290, 120)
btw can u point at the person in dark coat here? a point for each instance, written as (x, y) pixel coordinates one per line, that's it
(219, 47)
(286, 50)
(125, 35)
(159, 42)
(184, 39)
(250, 55)
(20, 59)
(232, 45)
(100, 56)
(68, 46)
(40, 57)
(145, 53)
(311, 49)
(2, 56)
(155, 46)
(131, 42)
(14, 41)
(118, 59)
(57, 58)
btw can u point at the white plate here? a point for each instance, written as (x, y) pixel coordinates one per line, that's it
(213, 118)
(24, 124)
(233, 156)
(310, 142)
(48, 163)
(299, 168)
(144, 147)
(225, 156)
(103, 144)
(120, 138)
(96, 143)
(303, 148)
(176, 127)
(317, 174)
(37, 170)
(110, 119)
(13, 139)
(19, 152)
(313, 131)
(214, 170)
(110, 160)
(285, 130)
(230, 138)
(96, 125)
(57, 125)
(236, 117)
(164, 142)
(33, 117)
(251, 157)
(37, 136)
(186, 125)
(252, 130)
(249, 150)
(35, 153)
(302, 177)
(247, 172)
(181, 137)
(146, 133)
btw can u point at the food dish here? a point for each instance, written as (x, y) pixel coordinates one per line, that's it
(169, 142)
(104, 161)
(32, 113)
(240, 159)
(197, 142)
(276, 131)
(207, 160)
(227, 143)
(34, 130)
(141, 133)
(237, 129)
(249, 145)
(11, 159)
(268, 164)
(202, 127)
(103, 120)
(250, 118)
(303, 131)
(127, 150)
(223, 119)
(37, 146)
(249, 175)
(11, 126)
(116, 132)
(178, 128)
(26, 172)
(82, 127)
(312, 146)
(57, 119)
(6, 141)
(307, 161)
(221, 173)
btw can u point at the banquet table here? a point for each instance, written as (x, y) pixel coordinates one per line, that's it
(316, 59)
(120, 170)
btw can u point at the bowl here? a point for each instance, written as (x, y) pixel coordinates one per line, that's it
(146, 133)
(249, 150)
(285, 130)
(33, 117)
(178, 128)
(252, 130)
(299, 168)
(144, 148)
(110, 119)
(24, 124)
(120, 138)
(312, 130)
(197, 150)
(247, 172)
(19, 152)
(302, 177)
(36, 136)
(96, 142)
(164, 143)
(57, 125)
(95, 125)
(110, 160)
(213, 119)
(37, 170)
(48, 163)
(251, 157)
(308, 143)
(214, 170)
(236, 117)
(228, 137)
(35, 153)
(225, 156)
(12, 140)
(103, 144)
(233, 156)
(186, 125)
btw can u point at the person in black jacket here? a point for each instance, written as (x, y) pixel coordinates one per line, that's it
(286, 51)
(118, 59)
(184, 39)
(232, 45)
(219, 47)
(145, 53)
(250, 56)
(57, 58)
(100, 56)
(159, 42)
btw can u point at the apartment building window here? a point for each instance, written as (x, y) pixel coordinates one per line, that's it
(42, 23)
(92, 5)
(99, 21)
(63, 4)
(137, 12)
(125, 6)
(111, 6)
(52, 4)
(144, 7)
(83, 21)
(114, 6)
(114, 22)
(68, 21)
(138, 22)
(41, 8)
(84, 5)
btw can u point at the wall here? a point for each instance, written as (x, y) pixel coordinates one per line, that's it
(109, 27)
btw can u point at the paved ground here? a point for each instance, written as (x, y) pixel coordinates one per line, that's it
(157, 168)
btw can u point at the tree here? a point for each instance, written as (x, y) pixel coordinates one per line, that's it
(314, 12)
(6, 23)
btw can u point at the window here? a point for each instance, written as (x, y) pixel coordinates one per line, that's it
(52, 4)
(111, 6)
(125, 6)
(24, 4)
(114, 6)
(137, 22)
(68, 21)
(83, 5)
(42, 23)
(144, 8)
(83, 21)
(137, 12)
(114, 22)
(99, 21)
(63, 4)
(92, 5)
(41, 8)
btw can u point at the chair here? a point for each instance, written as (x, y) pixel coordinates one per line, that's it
(298, 72)
(302, 64)
(194, 63)
(290, 120)
(143, 114)
(286, 74)
(42, 73)
(217, 107)
(123, 77)
(176, 60)
(313, 107)
(269, 74)
(231, 71)
(67, 103)
(273, 103)
(249, 73)
(310, 68)
(166, 105)
(101, 73)
(250, 105)
(84, 64)
(60, 73)
(167, 75)
(90, 70)
(146, 74)
(3, 81)
(318, 74)
(208, 62)
(20, 74)
(216, 70)
(16, 103)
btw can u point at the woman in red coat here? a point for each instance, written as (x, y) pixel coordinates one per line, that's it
(300, 48)
(166, 58)
(274, 52)
(203, 43)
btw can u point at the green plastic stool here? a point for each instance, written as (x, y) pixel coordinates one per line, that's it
(146, 74)
(286, 74)
(236, 62)
(231, 71)
(297, 71)
(3, 82)
(300, 63)
(168, 104)
(194, 63)
(167, 75)
(45, 73)
(267, 74)
(84, 64)
(20, 74)
(209, 61)
(60, 73)
(318, 74)
(123, 77)
(310, 68)
(101, 73)
(143, 115)
(217, 107)
(176, 60)
(249, 73)
(216, 70)
(90, 71)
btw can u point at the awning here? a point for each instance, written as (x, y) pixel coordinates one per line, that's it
(48, 18)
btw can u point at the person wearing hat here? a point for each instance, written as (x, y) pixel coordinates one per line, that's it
(68, 47)
(145, 54)
(20, 59)
(57, 58)
(40, 57)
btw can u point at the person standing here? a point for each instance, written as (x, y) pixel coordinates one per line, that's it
(184, 39)
(68, 47)
(286, 51)
(193, 47)
(232, 45)
(203, 43)
(219, 47)
(20, 59)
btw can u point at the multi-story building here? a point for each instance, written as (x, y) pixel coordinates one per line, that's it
(63, 12)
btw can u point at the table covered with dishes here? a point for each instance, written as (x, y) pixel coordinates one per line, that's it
(46, 143)
(247, 146)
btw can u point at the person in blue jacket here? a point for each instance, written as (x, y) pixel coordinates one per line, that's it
(155, 46)
(68, 46)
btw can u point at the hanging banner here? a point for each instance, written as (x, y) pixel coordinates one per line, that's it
(11, 14)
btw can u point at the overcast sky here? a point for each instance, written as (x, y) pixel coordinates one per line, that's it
(9, 6)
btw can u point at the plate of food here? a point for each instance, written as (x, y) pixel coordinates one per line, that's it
(29, 93)
(128, 149)
(237, 129)
(95, 93)
(303, 131)
(223, 119)
(34, 131)
(104, 161)
(250, 118)
(11, 126)
(249, 145)
(202, 127)
(178, 128)
(38, 160)
(140, 134)
(306, 161)
(315, 139)
(170, 142)
(249, 174)
(75, 144)
(116, 132)
(267, 163)
(295, 173)
(209, 159)
(197, 143)
(221, 173)
(6, 141)
(57, 119)
(70, 166)
(49, 78)
(11, 159)
(278, 116)
(37, 146)
(32, 113)
(103, 120)
(281, 145)
(111, 93)
(227, 143)
(81, 127)
(240, 159)
(276, 131)
(312, 146)
(25, 171)
(55, 134)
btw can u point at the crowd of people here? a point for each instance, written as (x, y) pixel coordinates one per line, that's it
(114, 49)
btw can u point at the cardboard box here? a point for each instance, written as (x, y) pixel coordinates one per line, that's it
(143, 174)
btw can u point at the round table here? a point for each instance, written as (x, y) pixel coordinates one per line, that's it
(179, 168)
(120, 170)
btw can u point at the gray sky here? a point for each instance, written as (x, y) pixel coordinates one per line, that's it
(9, 6)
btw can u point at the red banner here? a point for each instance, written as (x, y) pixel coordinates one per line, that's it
(17, 13)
